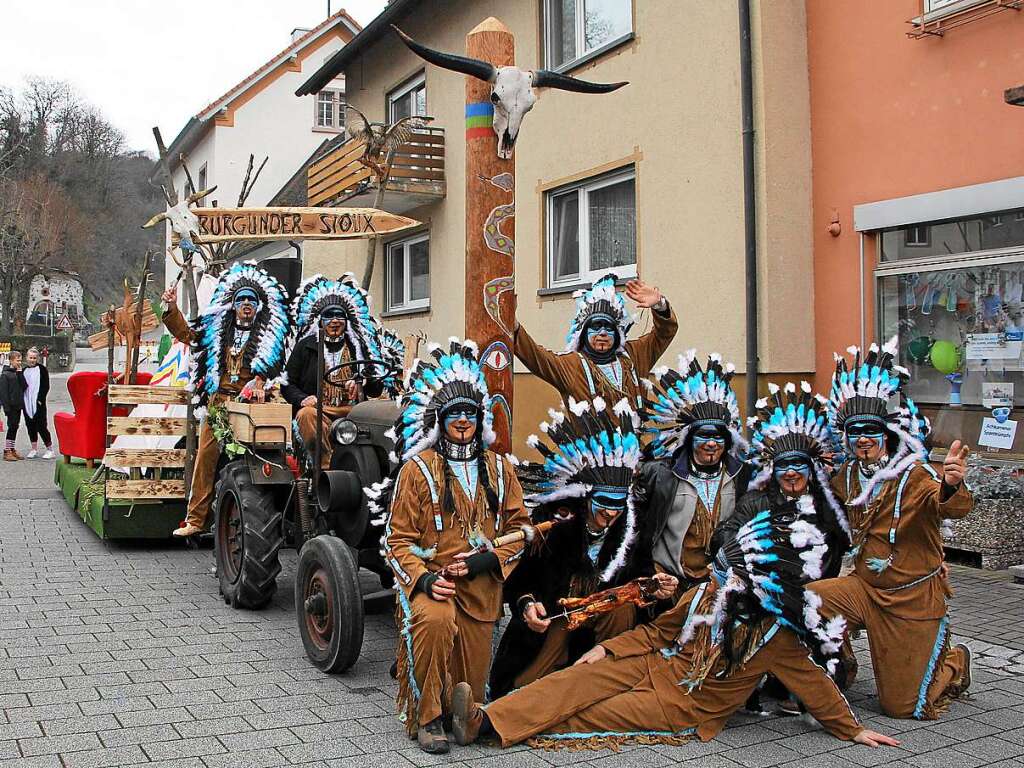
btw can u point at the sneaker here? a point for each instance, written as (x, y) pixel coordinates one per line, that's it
(48, 454)
(432, 738)
(467, 717)
(32, 454)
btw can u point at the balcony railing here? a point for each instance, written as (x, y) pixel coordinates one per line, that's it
(417, 175)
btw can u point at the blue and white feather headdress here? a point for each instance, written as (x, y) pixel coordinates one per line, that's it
(318, 293)
(601, 299)
(769, 562)
(862, 390)
(592, 450)
(264, 353)
(454, 375)
(791, 423)
(688, 398)
(392, 350)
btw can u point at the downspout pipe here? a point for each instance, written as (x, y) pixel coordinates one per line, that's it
(749, 202)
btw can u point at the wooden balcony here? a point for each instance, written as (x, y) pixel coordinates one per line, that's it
(417, 175)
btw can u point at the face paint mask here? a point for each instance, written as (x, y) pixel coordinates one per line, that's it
(791, 464)
(865, 429)
(599, 327)
(450, 417)
(245, 297)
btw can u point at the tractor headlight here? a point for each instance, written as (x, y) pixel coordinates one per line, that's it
(344, 432)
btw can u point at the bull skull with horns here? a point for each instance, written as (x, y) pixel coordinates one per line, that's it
(184, 222)
(512, 89)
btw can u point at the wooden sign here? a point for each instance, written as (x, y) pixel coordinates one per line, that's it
(226, 224)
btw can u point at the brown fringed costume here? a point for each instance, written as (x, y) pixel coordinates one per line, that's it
(641, 692)
(224, 358)
(903, 606)
(577, 374)
(445, 642)
(897, 590)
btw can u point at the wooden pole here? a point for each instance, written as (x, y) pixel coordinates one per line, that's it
(490, 227)
(136, 322)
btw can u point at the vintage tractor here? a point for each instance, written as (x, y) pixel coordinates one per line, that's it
(272, 497)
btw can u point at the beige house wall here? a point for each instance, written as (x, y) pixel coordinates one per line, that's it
(679, 122)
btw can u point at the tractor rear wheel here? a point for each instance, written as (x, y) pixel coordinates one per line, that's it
(329, 604)
(248, 535)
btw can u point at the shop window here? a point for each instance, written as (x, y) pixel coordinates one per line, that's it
(591, 229)
(575, 30)
(408, 99)
(407, 274)
(944, 238)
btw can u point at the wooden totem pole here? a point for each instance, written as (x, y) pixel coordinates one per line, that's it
(490, 227)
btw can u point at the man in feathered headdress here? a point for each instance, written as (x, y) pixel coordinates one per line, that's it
(237, 350)
(896, 503)
(598, 360)
(696, 474)
(589, 473)
(790, 438)
(340, 310)
(450, 501)
(683, 675)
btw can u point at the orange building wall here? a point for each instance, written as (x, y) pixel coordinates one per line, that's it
(893, 116)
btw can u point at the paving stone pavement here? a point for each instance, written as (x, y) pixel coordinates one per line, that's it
(121, 654)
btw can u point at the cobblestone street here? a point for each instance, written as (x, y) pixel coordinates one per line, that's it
(117, 655)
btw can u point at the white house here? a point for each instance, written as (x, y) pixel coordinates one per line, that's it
(261, 116)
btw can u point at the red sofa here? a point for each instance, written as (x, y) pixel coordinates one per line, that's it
(83, 434)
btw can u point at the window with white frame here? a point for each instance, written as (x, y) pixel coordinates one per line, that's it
(408, 99)
(330, 112)
(591, 229)
(576, 29)
(917, 236)
(407, 274)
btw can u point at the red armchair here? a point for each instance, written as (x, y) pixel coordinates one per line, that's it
(83, 434)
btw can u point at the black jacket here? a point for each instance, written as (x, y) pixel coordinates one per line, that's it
(772, 498)
(548, 571)
(12, 389)
(659, 484)
(301, 370)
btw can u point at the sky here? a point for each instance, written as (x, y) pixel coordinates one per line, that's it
(146, 63)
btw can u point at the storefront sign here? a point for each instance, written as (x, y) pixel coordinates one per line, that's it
(993, 346)
(224, 224)
(996, 435)
(995, 394)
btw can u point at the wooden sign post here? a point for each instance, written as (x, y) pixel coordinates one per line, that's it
(231, 224)
(490, 227)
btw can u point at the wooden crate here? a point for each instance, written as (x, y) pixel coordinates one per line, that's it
(260, 422)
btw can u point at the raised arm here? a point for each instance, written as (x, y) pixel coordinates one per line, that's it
(542, 362)
(646, 350)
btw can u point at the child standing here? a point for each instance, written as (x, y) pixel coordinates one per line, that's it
(12, 392)
(37, 387)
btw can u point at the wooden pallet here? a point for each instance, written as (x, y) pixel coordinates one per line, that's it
(158, 488)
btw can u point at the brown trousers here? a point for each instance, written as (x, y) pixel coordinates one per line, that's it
(306, 418)
(203, 474)
(619, 696)
(448, 647)
(913, 661)
(554, 653)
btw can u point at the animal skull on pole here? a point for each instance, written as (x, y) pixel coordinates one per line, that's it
(512, 90)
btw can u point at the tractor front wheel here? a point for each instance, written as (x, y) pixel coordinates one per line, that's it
(248, 536)
(329, 604)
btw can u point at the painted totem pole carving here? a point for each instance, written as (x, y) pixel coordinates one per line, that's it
(498, 96)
